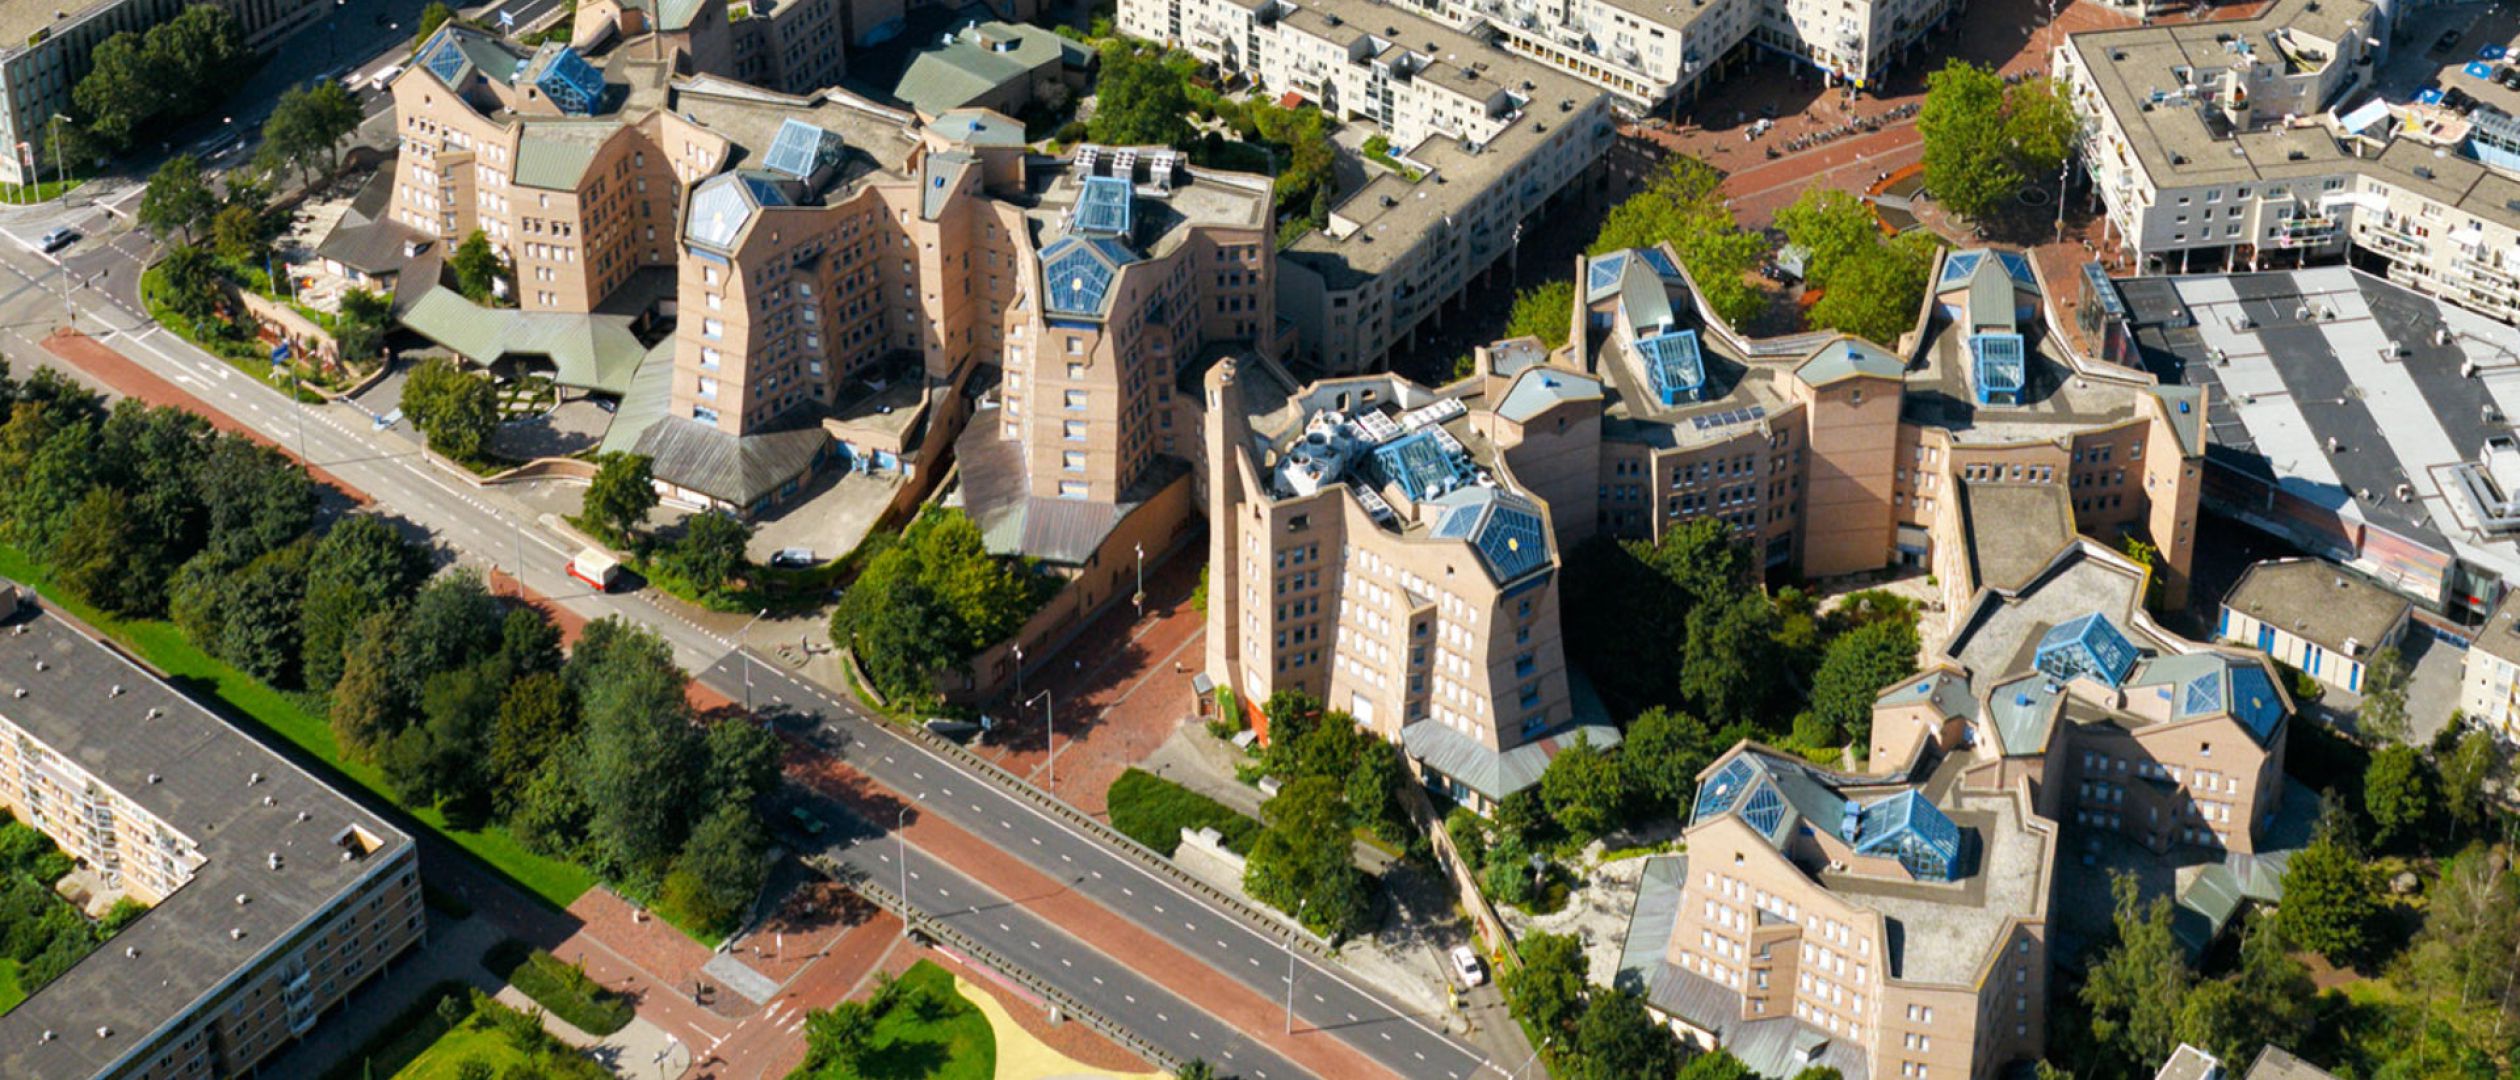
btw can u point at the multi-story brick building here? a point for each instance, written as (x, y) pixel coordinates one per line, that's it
(1497, 138)
(1896, 920)
(840, 270)
(1826, 455)
(271, 896)
(1891, 925)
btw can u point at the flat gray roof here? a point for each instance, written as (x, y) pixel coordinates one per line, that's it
(2014, 529)
(235, 800)
(2320, 603)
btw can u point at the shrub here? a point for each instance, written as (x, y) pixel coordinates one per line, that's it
(564, 988)
(1153, 811)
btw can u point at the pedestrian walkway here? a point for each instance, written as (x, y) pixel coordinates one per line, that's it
(640, 1049)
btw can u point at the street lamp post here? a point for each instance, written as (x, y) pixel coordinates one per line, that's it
(1050, 733)
(1290, 963)
(1019, 678)
(1138, 598)
(740, 650)
(901, 854)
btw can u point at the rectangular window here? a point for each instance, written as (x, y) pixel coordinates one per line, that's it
(1072, 461)
(1076, 399)
(1074, 430)
(1072, 489)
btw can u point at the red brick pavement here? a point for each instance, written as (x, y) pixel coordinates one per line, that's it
(1120, 688)
(772, 1043)
(1099, 927)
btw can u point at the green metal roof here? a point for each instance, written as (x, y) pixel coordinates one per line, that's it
(1847, 357)
(587, 352)
(556, 156)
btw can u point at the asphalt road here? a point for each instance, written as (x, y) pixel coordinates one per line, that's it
(483, 527)
(1326, 998)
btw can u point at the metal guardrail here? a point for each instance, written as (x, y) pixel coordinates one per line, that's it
(945, 934)
(1266, 921)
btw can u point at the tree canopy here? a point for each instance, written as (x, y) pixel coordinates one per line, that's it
(2330, 898)
(932, 598)
(1139, 99)
(1685, 207)
(1301, 862)
(619, 497)
(141, 82)
(455, 408)
(1544, 311)
(1984, 140)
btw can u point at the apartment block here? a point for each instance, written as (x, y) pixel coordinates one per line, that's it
(1877, 925)
(1497, 138)
(272, 896)
(1895, 921)
(45, 47)
(2489, 678)
(2314, 617)
(2259, 142)
(1370, 547)
(1333, 506)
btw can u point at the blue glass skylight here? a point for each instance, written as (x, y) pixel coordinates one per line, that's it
(571, 83)
(1911, 829)
(2087, 647)
(2203, 695)
(1457, 524)
(1673, 365)
(2018, 266)
(1104, 208)
(1998, 366)
(1764, 811)
(2254, 702)
(800, 149)
(1420, 464)
(1513, 542)
(446, 57)
(1661, 263)
(1604, 273)
(1724, 789)
(1957, 268)
(1078, 276)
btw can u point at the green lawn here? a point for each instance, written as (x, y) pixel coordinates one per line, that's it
(10, 992)
(470, 1041)
(561, 987)
(1153, 811)
(162, 646)
(933, 1034)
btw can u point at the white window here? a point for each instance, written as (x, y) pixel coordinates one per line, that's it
(1074, 430)
(1072, 489)
(1072, 460)
(1075, 399)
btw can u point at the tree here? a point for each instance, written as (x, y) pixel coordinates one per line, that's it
(537, 716)
(930, 599)
(455, 408)
(2329, 895)
(641, 759)
(118, 96)
(452, 623)
(743, 762)
(1544, 311)
(1583, 788)
(2398, 794)
(1877, 293)
(1716, 1065)
(478, 271)
(1196, 1069)
(188, 284)
(2268, 1001)
(1301, 860)
(1139, 100)
(1727, 664)
(259, 607)
(256, 499)
(2465, 771)
(49, 456)
(2382, 717)
(1547, 992)
(435, 15)
(236, 234)
(178, 200)
(2040, 124)
(711, 551)
(360, 567)
(619, 497)
(838, 1037)
(359, 332)
(1855, 669)
(1832, 227)
(307, 125)
(1967, 163)
(91, 559)
(721, 868)
(438, 760)
(1665, 750)
(2135, 990)
(369, 702)
(1617, 1040)
(1685, 208)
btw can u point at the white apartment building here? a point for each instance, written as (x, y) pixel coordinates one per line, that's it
(2221, 145)
(2489, 681)
(1496, 137)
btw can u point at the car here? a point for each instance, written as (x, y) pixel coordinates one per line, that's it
(58, 239)
(2449, 40)
(794, 558)
(1466, 963)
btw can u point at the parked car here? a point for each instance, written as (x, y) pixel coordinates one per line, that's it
(1466, 963)
(59, 238)
(795, 558)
